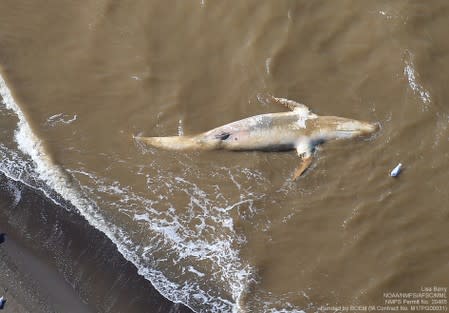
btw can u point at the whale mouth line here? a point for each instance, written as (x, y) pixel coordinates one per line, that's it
(349, 131)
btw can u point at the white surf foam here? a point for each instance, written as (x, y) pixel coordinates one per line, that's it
(412, 77)
(201, 236)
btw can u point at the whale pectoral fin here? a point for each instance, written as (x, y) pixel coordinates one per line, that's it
(304, 150)
(290, 104)
(302, 167)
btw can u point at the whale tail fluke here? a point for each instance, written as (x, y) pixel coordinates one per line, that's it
(171, 142)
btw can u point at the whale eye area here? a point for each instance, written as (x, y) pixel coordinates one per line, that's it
(223, 136)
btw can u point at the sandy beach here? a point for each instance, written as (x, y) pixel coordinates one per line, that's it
(53, 261)
(30, 285)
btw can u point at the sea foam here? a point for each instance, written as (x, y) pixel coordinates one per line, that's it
(412, 78)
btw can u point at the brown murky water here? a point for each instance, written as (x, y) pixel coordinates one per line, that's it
(222, 231)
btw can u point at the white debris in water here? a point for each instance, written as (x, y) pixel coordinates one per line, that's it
(396, 171)
(180, 128)
(61, 118)
(194, 271)
(411, 75)
(383, 13)
(392, 15)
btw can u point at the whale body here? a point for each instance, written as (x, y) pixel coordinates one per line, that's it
(299, 129)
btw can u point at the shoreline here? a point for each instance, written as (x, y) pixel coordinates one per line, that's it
(53, 260)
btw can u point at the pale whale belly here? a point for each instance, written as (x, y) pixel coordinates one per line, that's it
(266, 132)
(265, 139)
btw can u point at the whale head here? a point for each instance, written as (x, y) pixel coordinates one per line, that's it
(334, 127)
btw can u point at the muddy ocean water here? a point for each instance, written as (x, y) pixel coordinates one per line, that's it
(231, 232)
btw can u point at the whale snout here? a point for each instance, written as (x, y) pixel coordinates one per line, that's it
(355, 128)
(366, 128)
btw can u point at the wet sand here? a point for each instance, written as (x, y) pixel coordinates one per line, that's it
(30, 285)
(51, 260)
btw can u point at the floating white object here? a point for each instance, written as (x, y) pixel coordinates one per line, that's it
(396, 171)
